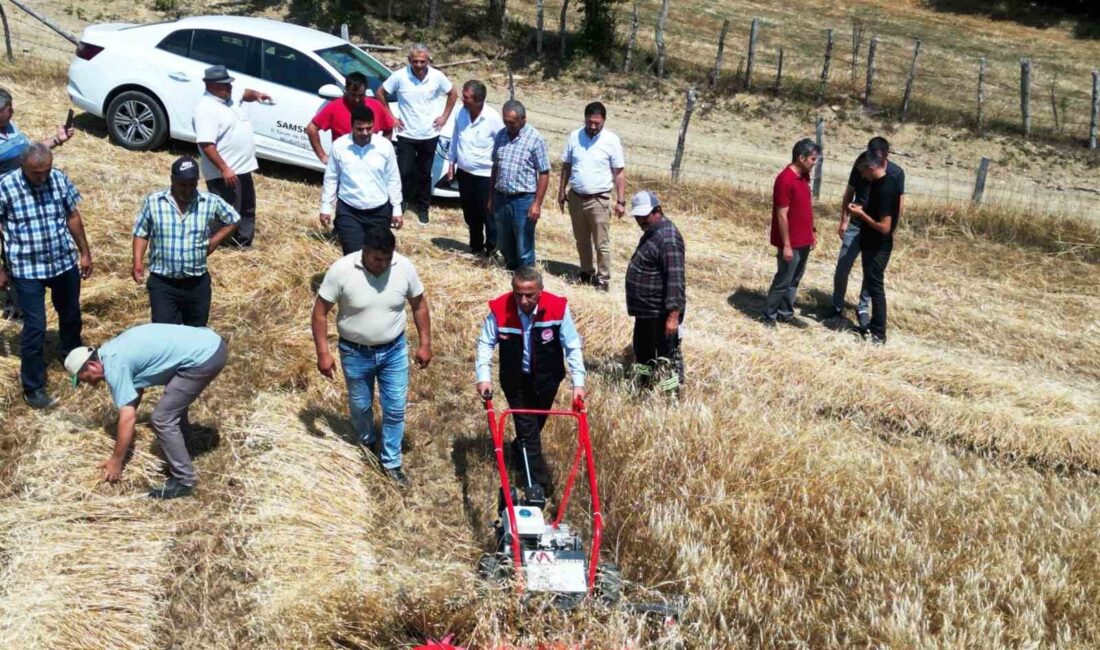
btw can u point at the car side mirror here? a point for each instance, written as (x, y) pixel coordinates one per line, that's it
(330, 91)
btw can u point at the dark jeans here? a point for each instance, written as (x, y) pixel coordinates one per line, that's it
(875, 257)
(529, 431)
(243, 200)
(474, 193)
(180, 301)
(415, 159)
(351, 224)
(651, 344)
(31, 295)
(780, 302)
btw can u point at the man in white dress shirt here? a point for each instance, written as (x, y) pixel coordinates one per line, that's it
(363, 181)
(418, 86)
(471, 162)
(228, 147)
(592, 166)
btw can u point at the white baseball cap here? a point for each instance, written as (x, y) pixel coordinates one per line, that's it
(643, 204)
(76, 360)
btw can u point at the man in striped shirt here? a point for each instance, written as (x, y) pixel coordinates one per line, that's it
(520, 176)
(180, 227)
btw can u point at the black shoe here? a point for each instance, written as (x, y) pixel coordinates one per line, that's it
(172, 489)
(878, 340)
(767, 322)
(40, 399)
(861, 332)
(602, 286)
(795, 322)
(422, 216)
(398, 476)
(585, 278)
(832, 313)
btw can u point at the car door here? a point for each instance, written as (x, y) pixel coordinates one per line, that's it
(293, 80)
(181, 84)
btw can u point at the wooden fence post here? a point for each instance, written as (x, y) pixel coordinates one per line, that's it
(633, 40)
(981, 94)
(713, 80)
(820, 134)
(7, 34)
(870, 71)
(825, 68)
(1054, 103)
(1095, 108)
(659, 36)
(1025, 95)
(433, 13)
(859, 30)
(909, 82)
(561, 26)
(540, 6)
(503, 17)
(779, 73)
(511, 86)
(682, 139)
(979, 182)
(754, 31)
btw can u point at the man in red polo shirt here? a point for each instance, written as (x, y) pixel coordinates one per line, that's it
(335, 116)
(792, 233)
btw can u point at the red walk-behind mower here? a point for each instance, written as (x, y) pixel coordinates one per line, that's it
(541, 555)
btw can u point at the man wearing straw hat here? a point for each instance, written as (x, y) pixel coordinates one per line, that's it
(182, 359)
(180, 227)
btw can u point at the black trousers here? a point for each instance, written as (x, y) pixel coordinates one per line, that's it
(875, 256)
(529, 431)
(351, 224)
(415, 159)
(180, 301)
(243, 200)
(651, 344)
(474, 193)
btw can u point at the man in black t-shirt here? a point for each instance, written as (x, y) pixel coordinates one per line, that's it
(857, 190)
(878, 221)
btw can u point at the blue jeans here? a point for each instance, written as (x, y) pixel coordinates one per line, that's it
(31, 297)
(390, 365)
(849, 253)
(515, 232)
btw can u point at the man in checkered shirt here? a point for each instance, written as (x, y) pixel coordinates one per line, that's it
(43, 238)
(180, 227)
(521, 173)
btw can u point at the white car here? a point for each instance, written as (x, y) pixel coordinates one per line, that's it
(146, 79)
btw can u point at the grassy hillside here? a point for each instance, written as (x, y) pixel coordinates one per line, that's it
(808, 490)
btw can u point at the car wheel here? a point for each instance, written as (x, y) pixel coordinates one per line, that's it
(135, 121)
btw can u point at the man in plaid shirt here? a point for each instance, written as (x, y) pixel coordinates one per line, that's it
(43, 238)
(655, 287)
(521, 173)
(180, 227)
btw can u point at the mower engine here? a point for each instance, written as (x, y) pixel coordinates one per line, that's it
(553, 558)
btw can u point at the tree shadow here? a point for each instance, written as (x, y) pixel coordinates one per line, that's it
(1042, 15)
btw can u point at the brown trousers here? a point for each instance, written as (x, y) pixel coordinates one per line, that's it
(592, 229)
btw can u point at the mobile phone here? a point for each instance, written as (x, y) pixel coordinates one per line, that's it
(69, 120)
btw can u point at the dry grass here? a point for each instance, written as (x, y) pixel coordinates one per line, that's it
(807, 491)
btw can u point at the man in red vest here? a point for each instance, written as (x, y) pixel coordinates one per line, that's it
(537, 338)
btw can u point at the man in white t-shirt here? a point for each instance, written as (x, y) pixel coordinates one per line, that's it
(471, 162)
(371, 288)
(228, 147)
(418, 86)
(592, 166)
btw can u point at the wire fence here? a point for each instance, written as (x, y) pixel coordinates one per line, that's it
(32, 39)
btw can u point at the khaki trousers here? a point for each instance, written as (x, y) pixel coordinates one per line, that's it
(592, 229)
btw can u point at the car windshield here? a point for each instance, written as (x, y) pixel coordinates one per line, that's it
(348, 58)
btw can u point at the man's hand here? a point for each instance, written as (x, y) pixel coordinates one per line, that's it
(672, 325)
(323, 158)
(229, 176)
(450, 172)
(325, 365)
(398, 124)
(64, 134)
(86, 265)
(579, 393)
(484, 388)
(788, 254)
(842, 228)
(534, 212)
(423, 356)
(112, 469)
(620, 209)
(438, 122)
(325, 219)
(857, 209)
(397, 221)
(4, 281)
(561, 200)
(138, 273)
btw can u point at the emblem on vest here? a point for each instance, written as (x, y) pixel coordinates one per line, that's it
(547, 335)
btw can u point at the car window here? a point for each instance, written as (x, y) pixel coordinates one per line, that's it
(289, 67)
(348, 58)
(178, 42)
(231, 50)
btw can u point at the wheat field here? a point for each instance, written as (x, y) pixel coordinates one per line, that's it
(806, 491)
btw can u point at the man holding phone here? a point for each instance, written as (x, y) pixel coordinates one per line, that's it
(878, 221)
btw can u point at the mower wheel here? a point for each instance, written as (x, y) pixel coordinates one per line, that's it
(494, 567)
(609, 584)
